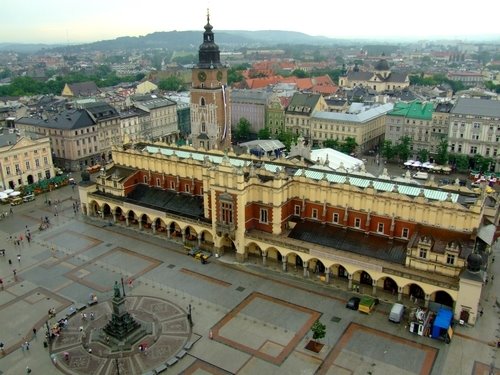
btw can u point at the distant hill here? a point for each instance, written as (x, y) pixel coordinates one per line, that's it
(175, 40)
(26, 47)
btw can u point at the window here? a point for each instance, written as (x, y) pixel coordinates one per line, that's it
(158, 182)
(296, 210)
(473, 149)
(187, 188)
(145, 179)
(405, 233)
(227, 212)
(450, 259)
(380, 228)
(37, 162)
(172, 185)
(422, 253)
(263, 216)
(314, 213)
(336, 218)
(203, 127)
(7, 171)
(357, 222)
(28, 164)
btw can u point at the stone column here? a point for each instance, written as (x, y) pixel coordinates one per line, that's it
(183, 237)
(400, 293)
(140, 224)
(349, 284)
(102, 214)
(199, 239)
(153, 226)
(306, 268)
(126, 221)
(114, 217)
(264, 258)
(168, 231)
(427, 299)
(374, 287)
(327, 275)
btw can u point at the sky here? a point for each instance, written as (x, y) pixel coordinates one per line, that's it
(82, 21)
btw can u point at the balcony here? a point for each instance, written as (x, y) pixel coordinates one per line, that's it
(228, 229)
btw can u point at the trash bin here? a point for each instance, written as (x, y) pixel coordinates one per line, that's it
(45, 344)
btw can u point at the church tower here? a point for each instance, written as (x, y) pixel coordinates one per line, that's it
(210, 97)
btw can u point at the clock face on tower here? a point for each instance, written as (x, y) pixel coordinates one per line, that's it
(202, 76)
(219, 76)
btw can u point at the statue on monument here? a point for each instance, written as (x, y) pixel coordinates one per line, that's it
(116, 289)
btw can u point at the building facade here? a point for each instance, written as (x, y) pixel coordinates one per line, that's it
(78, 137)
(380, 79)
(299, 111)
(251, 105)
(413, 120)
(24, 161)
(395, 240)
(160, 124)
(365, 124)
(210, 97)
(474, 128)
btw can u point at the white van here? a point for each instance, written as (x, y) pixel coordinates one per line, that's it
(421, 175)
(397, 312)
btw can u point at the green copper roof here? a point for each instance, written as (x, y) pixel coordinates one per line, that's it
(414, 110)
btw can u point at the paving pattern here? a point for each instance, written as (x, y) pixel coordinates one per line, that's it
(171, 332)
(364, 350)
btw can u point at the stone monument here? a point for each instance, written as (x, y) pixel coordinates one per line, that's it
(122, 331)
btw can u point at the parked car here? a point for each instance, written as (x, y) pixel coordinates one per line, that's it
(397, 312)
(29, 197)
(353, 303)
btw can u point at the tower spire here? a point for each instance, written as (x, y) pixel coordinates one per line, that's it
(208, 15)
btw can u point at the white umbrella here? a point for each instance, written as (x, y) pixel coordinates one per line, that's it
(3, 195)
(8, 191)
(14, 194)
(417, 164)
(409, 162)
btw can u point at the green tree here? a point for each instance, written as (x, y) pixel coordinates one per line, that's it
(442, 152)
(299, 73)
(461, 162)
(264, 133)
(172, 83)
(319, 330)
(481, 163)
(388, 150)
(348, 146)
(332, 143)
(423, 155)
(243, 128)
(287, 138)
(234, 75)
(403, 148)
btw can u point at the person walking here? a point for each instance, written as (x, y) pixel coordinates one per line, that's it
(19, 258)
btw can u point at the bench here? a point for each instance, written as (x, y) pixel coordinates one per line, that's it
(181, 354)
(172, 361)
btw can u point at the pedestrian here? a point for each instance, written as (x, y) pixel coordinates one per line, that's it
(34, 331)
(15, 273)
(19, 257)
(481, 312)
(11, 211)
(1, 284)
(27, 344)
(28, 370)
(10, 262)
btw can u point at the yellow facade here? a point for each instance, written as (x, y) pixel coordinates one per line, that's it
(25, 162)
(263, 201)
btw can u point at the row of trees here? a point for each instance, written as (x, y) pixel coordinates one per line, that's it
(436, 79)
(462, 163)
(103, 76)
